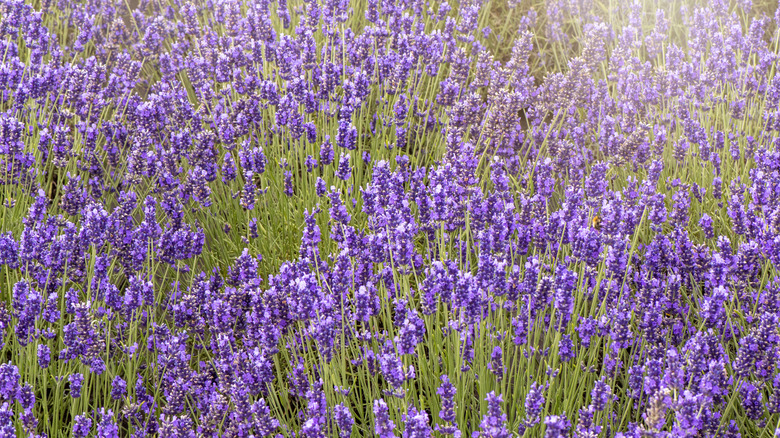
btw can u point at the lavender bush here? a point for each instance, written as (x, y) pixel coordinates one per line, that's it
(389, 218)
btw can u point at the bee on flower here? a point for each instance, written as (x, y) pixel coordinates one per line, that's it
(595, 222)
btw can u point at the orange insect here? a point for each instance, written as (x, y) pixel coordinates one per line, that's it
(596, 222)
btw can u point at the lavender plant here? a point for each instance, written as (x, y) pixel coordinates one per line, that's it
(389, 218)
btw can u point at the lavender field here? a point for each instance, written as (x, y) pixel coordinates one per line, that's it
(389, 218)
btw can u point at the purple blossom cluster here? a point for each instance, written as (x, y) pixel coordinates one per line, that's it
(575, 235)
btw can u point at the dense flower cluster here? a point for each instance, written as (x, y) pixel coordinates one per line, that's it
(389, 218)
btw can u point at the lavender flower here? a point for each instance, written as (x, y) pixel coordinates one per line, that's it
(75, 381)
(447, 413)
(496, 365)
(601, 395)
(344, 420)
(288, 183)
(566, 349)
(534, 403)
(556, 426)
(107, 427)
(493, 424)
(417, 424)
(9, 381)
(44, 356)
(751, 401)
(383, 426)
(82, 425)
(118, 388)
(326, 152)
(344, 171)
